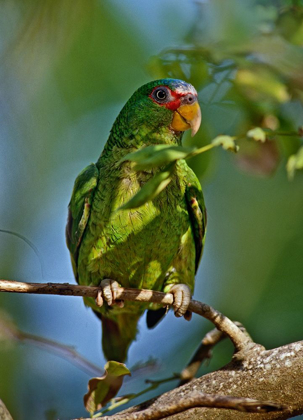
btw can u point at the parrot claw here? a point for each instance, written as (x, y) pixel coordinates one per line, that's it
(108, 292)
(188, 315)
(182, 297)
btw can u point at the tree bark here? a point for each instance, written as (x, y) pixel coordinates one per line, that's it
(266, 375)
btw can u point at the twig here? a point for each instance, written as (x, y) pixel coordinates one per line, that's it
(204, 352)
(198, 399)
(10, 330)
(222, 323)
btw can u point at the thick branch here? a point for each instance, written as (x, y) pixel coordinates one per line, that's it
(222, 323)
(265, 375)
(196, 399)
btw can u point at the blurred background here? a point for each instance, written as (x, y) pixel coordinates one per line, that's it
(66, 70)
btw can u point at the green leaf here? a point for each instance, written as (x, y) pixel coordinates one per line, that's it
(116, 368)
(101, 390)
(227, 142)
(150, 190)
(164, 157)
(157, 155)
(144, 153)
(257, 134)
(294, 163)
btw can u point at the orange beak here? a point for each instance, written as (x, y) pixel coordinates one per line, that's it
(187, 116)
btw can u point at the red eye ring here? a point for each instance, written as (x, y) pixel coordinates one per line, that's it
(171, 101)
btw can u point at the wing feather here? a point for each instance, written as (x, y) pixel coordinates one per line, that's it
(79, 210)
(197, 213)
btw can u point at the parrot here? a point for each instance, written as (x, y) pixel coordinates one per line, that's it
(156, 246)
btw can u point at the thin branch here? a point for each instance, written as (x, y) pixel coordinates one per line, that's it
(198, 399)
(11, 331)
(30, 244)
(204, 352)
(222, 323)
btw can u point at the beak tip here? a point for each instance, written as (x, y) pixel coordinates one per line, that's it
(193, 132)
(196, 122)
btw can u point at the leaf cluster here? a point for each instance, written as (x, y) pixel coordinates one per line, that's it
(247, 67)
(165, 157)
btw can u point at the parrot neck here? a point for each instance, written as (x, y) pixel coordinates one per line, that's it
(143, 136)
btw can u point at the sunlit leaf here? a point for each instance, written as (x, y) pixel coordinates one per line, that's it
(227, 142)
(145, 153)
(262, 83)
(150, 190)
(294, 163)
(284, 57)
(101, 390)
(257, 134)
(157, 155)
(164, 157)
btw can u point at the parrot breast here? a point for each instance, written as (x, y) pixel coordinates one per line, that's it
(135, 247)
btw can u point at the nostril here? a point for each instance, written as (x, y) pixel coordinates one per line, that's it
(189, 99)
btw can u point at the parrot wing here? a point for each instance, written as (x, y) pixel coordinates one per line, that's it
(197, 212)
(79, 210)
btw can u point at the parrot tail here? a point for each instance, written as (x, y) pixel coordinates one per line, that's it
(118, 334)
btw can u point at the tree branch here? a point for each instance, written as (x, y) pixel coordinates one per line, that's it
(274, 375)
(196, 399)
(265, 375)
(240, 340)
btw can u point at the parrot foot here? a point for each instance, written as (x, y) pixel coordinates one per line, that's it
(108, 292)
(182, 297)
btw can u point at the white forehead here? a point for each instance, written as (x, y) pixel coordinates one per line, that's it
(185, 88)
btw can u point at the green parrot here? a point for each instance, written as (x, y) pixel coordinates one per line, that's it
(156, 246)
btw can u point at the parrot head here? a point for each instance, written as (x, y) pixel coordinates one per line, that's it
(181, 100)
(167, 106)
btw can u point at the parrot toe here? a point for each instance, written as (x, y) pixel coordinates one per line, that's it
(99, 299)
(108, 292)
(182, 297)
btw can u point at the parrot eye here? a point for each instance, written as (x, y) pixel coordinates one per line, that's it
(160, 94)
